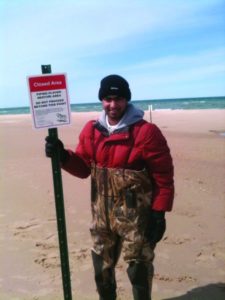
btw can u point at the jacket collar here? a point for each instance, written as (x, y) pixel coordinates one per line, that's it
(131, 116)
(105, 131)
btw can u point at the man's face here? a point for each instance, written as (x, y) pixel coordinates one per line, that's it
(114, 107)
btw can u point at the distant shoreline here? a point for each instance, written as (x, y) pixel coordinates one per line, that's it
(96, 113)
(160, 104)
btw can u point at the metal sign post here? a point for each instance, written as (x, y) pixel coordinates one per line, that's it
(60, 213)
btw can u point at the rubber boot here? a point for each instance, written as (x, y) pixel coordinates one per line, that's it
(105, 279)
(138, 275)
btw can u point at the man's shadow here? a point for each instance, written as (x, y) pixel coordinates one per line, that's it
(214, 291)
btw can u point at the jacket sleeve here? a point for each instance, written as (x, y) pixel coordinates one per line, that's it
(79, 162)
(159, 161)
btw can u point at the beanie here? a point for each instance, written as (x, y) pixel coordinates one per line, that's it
(114, 85)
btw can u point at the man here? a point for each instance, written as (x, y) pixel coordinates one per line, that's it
(131, 187)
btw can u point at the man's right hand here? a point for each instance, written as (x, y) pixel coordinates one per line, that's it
(52, 146)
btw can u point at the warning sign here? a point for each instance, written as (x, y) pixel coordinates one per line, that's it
(49, 100)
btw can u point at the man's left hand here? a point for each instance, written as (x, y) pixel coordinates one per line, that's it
(156, 226)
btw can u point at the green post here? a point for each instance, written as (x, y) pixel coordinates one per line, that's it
(60, 212)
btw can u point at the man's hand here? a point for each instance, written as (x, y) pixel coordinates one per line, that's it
(156, 226)
(52, 146)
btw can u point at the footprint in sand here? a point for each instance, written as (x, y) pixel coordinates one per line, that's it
(211, 252)
(23, 230)
(176, 240)
(163, 277)
(178, 279)
(45, 246)
(186, 278)
(80, 254)
(48, 255)
(189, 214)
(48, 260)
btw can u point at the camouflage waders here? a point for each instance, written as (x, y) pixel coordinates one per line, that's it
(121, 201)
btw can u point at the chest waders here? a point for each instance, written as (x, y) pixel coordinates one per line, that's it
(120, 201)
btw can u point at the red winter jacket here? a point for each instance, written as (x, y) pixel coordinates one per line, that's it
(138, 146)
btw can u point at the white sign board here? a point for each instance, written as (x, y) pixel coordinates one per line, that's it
(49, 100)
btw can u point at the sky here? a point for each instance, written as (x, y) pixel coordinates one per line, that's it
(164, 48)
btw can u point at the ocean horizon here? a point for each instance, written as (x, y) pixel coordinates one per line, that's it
(156, 104)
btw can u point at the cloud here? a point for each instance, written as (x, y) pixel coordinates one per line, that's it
(183, 61)
(49, 26)
(167, 74)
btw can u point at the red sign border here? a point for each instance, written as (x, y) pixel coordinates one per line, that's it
(44, 89)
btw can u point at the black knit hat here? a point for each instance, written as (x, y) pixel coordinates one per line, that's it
(114, 85)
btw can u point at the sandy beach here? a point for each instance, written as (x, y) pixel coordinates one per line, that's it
(190, 260)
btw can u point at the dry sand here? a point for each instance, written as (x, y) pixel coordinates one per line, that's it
(190, 261)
